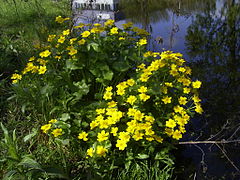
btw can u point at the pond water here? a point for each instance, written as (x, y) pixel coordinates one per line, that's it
(207, 33)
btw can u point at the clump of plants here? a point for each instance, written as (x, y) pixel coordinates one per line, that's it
(111, 107)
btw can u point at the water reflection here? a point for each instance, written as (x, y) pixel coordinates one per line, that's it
(96, 11)
(213, 41)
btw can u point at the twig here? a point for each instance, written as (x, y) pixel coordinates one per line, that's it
(210, 142)
(235, 132)
(224, 153)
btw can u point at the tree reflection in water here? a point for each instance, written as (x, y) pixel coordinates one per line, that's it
(213, 40)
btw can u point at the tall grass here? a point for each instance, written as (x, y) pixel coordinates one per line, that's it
(23, 24)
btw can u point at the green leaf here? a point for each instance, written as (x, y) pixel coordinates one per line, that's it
(142, 156)
(47, 89)
(108, 75)
(83, 87)
(30, 163)
(65, 117)
(121, 66)
(55, 172)
(95, 47)
(71, 66)
(10, 175)
(31, 135)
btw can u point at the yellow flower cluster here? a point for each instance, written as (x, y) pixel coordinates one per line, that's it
(126, 117)
(55, 132)
(60, 19)
(16, 77)
(63, 45)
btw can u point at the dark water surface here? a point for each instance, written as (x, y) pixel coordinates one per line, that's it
(207, 33)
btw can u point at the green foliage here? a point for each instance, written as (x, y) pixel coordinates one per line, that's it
(23, 24)
(78, 71)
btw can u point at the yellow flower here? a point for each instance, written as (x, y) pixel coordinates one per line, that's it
(148, 54)
(14, 81)
(107, 95)
(52, 121)
(186, 90)
(142, 42)
(198, 108)
(46, 127)
(168, 84)
(57, 132)
(167, 99)
(58, 57)
(124, 136)
(171, 123)
(51, 38)
(131, 99)
(182, 69)
(114, 30)
(102, 136)
(112, 104)
(120, 92)
(196, 84)
(149, 119)
(83, 135)
(61, 39)
(121, 144)
(114, 131)
(31, 58)
(142, 89)
(59, 19)
(81, 42)
(144, 77)
(164, 90)
(109, 22)
(16, 76)
(178, 109)
(182, 100)
(101, 151)
(72, 40)
(131, 112)
(196, 99)
(45, 53)
(177, 135)
(97, 24)
(93, 124)
(42, 61)
(158, 139)
(109, 88)
(72, 52)
(142, 66)
(169, 131)
(149, 139)
(173, 72)
(138, 115)
(144, 97)
(42, 69)
(100, 111)
(121, 38)
(66, 32)
(85, 34)
(90, 152)
(137, 136)
(130, 82)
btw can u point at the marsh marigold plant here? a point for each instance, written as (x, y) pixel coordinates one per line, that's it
(111, 97)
